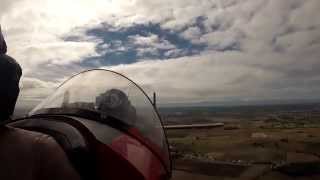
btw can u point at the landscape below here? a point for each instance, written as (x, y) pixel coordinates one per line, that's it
(256, 142)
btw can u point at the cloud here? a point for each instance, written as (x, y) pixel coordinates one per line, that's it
(151, 41)
(174, 53)
(6, 6)
(32, 83)
(220, 76)
(150, 44)
(42, 25)
(57, 53)
(186, 50)
(193, 34)
(299, 41)
(35, 90)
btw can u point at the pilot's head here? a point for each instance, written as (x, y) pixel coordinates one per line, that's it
(10, 73)
(115, 102)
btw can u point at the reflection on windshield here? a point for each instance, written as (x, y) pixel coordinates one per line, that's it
(107, 94)
(116, 103)
(113, 102)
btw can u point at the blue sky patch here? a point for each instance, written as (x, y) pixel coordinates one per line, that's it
(118, 47)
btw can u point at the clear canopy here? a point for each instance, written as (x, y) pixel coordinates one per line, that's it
(108, 94)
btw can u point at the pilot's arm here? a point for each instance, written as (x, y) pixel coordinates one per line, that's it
(51, 161)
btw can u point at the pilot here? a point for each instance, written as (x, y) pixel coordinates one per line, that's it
(115, 103)
(24, 154)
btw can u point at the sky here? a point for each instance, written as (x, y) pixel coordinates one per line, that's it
(185, 50)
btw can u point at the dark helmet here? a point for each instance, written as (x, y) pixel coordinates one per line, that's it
(10, 73)
(115, 102)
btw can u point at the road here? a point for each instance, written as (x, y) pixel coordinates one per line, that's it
(194, 126)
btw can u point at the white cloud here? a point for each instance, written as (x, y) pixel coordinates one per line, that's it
(299, 41)
(150, 44)
(33, 90)
(141, 52)
(151, 41)
(193, 34)
(279, 42)
(216, 76)
(306, 16)
(57, 53)
(175, 53)
(34, 31)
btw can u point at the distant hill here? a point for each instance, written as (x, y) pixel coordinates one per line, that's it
(212, 110)
(234, 103)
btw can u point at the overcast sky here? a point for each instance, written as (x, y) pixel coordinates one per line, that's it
(185, 50)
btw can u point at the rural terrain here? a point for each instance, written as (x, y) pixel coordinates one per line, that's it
(256, 142)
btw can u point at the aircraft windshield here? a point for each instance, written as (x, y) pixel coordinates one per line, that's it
(107, 94)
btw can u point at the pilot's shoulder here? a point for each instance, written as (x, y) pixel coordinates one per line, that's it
(51, 162)
(29, 137)
(26, 141)
(8, 61)
(22, 142)
(7, 58)
(21, 134)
